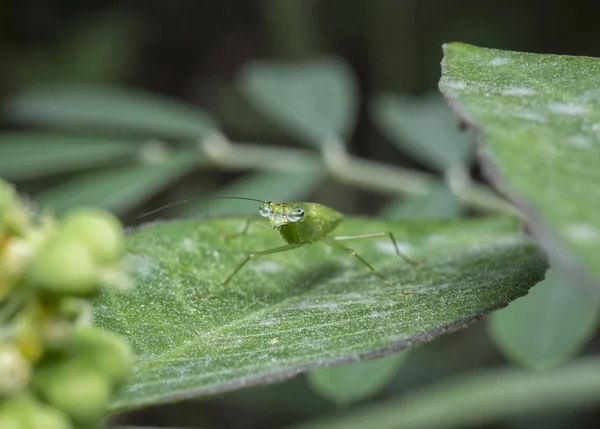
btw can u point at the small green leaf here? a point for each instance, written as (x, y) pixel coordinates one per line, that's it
(439, 203)
(477, 400)
(99, 107)
(314, 100)
(546, 327)
(266, 185)
(424, 127)
(117, 189)
(312, 307)
(357, 381)
(538, 117)
(30, 155)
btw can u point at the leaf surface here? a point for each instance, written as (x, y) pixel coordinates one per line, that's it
(538, 121)
(289, 312)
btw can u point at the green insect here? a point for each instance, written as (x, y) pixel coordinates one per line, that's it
(300, 224)
(304, 223)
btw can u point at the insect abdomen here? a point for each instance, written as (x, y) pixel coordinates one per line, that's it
(318, 221)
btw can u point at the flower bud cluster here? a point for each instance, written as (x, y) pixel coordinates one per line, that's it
(57, 371)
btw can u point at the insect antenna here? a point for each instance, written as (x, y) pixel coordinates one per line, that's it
(189, 200)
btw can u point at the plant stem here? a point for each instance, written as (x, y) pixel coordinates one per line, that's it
(365, 174)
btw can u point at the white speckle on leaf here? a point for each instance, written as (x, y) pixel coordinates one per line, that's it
(582, 233)
(273, 341)
(266, 267)
(589, 96)
(499, 61)
(456, 84)
(316, 305)
(519, 91)
(567, 108)
(188, 244)
(341, 278)
(436, 238)
(532, 116)
(388, 247)
(581, 142)
(140, 264)
(269, 322)
(377, 315)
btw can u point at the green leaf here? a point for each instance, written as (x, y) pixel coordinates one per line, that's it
(30, 155)
(357, 381)
(439, 203)
(267, 185)
(117, 189)
(477, 400)
(290, 398)
(102, 106)
(289, 312)
(546, 327)
(313, 100)
(425, 128)
(538, 117)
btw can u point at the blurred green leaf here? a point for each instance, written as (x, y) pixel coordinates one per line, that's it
(117, 189)
(101, 106)
(289, 312)
(477, 400)
(546, 327)
(313, 100)
(30, 155)
(355, 382)
(425, 127)
(538, 117)
(439, 203)
(98, 48)
(292, 397)
(266, 185)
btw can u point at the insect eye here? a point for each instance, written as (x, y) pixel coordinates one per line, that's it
(265, 210)
(295, 215)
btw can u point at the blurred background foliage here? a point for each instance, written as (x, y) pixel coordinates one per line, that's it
(131, 105)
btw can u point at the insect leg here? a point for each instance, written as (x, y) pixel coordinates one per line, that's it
(334, 243)
(262, 253)
(378, 235)
(257, 222)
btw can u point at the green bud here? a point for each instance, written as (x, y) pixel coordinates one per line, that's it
(64, 266)
(30, 413)
(47, 417)
(15, 370)
(76, 388)
(107, 352)
(10, 418)
(97, 229)
(26, 328)
(56, 332)
(75, 309)
(14, 258)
